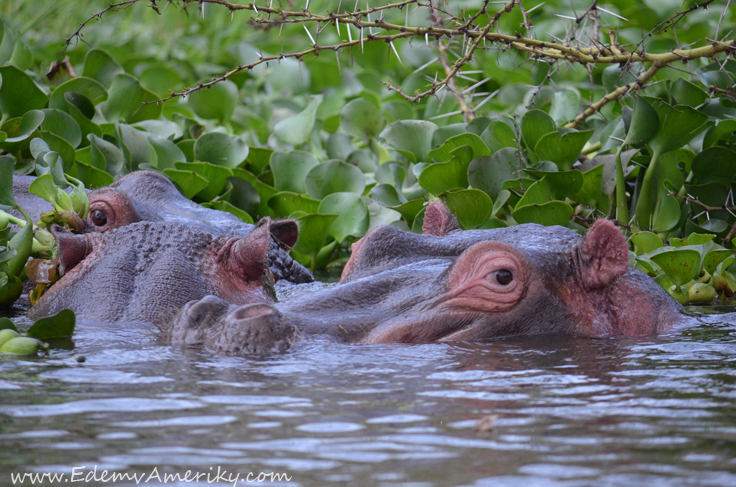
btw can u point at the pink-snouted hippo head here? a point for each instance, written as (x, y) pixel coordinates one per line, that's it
(147, 271)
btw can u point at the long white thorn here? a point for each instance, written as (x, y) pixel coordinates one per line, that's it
(337, 24)
(310, 35)
(361, 39)
(395, 52)
(350, 36)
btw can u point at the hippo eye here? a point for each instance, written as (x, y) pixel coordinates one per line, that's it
(98, 218)
(504, 277)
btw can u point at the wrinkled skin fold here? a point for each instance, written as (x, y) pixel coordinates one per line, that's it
(450, 285)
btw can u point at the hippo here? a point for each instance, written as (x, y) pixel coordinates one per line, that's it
(146, 271)
(151, 197)
(451, 285)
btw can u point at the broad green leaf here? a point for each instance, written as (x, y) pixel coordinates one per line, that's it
(162, 80)
(92, 177)
(548, 214)
(646, 242)
(411, 138)
(221, 149)
(313, 232)
(564, 106)
(62, 124)
(677, 127)
(100, 66)
(386, 195)
(51, 163)
(163, 153)
(216, 177)
(535, 124)
(28, 124)
(290, 169)
(591, 189)
(106, 156)
(410, 209)
(339, 147)
(715, 164)
(353, 214)
(161, 128)
(264, 191)
(126, 98)
(562, 149)
(443, 176)
(562, 184)
(60, 325)
(447, 150)
(538, 193)
(666, 214)
(64, 148)
(717, 132)
(244, 195)
(19, 93)
(89, 88)
(334, 177)
(7, 324)
(498, 135)
(472, 207)
(680, 265)
(87, 126)
(715, 257)
(489, 173)
(297, 129)
(686, 93)
(361, 118)
(7, 200)
(258, 159)
(644, 122)
(285, 203)
(216, 102)
(189, 182)
(230, 208)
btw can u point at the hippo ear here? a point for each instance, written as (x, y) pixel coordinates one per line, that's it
(604, 255)
(71, 248)
(249, 255)
(438, 220)
(285, 232)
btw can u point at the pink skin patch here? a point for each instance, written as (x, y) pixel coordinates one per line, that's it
(438, 220)
(604, 255)
(354, 256)
(489, 276)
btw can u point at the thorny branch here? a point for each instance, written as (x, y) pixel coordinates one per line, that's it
(446, 27)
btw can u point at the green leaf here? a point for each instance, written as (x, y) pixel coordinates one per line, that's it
(334, 177)
(646, 242)
(472, 207)
(313, 232)
(498, 135)
(7, 200)
(264, 191)
(106, 156)
(100, 66)
(538, 193)
(548, 214)
(678, 126)
(680, 265)
(447, 150)
(296, 130)
(216, 102)
(353, 214)
(189, 182)
(285, 203)
(412, 138)
(717, 132)
(591, 189)
(564, 106)
(562, 149)
(126, 98)
(715, 164)
(386, 195)
(30, 121)
(258, 159)
(216, 177)
(60, 325)
(489, 173)
(7, 324)
(162, 80)
(290, 169)
(339, 147)
(164, 129)
(535, 124)
(89, 88)
(686, 93)
(644, 122)
(230, 208)
(18, 93)
(163, 153)
(22, 243)
(62, 124)
(562, 184)
(361, 118)
(443, 176)
(92, 177)
(715, 257)
(221, 149)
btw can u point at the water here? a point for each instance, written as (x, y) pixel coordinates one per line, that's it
(544, 411)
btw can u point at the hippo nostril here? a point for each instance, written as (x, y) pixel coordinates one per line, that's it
(99, 218)
(504, 277)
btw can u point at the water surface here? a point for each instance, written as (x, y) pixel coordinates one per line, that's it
(543, 411)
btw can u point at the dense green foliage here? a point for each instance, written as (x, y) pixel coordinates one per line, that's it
(520, 133)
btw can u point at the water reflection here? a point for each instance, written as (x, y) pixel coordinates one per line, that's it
(557, 411)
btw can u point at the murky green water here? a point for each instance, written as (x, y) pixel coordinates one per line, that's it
(560, 412)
